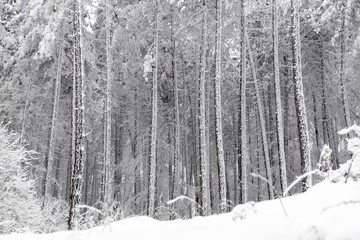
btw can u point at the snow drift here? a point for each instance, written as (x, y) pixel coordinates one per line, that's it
(327, 211)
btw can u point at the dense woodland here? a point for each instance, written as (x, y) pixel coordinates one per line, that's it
(124, 105)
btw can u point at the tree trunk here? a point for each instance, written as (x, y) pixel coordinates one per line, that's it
(242, 162)
(299, 94)
(279, 114)
(343, 80)
(154, 107)
(49, 157)
(261, 118)
(218, 113)
(78, 133)
(107, 171)
(177, 159)
(204, 158)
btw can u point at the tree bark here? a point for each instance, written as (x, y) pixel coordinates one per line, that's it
(107, 171)
(78, 131)
(261, 118)
(204, 158)
(242, 162)
(49, 157)
(218, 112)
(279, 113)
(154, 107)
(299, 94)
(343, 80)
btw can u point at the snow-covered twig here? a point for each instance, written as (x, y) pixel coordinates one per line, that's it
(182, 197)
(91, 208)
(272, 186)
(316, 171)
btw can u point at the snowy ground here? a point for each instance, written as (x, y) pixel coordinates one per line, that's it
(328, 211)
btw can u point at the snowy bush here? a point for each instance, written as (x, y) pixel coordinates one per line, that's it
(350, 170)
(20, 207)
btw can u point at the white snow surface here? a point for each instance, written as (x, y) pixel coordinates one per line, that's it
(327, 211)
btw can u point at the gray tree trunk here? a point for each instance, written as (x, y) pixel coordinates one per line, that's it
(154, 107)
(107, 171)
(218, 112)
(78, 131)
(204, 158)
(261, 119)
(299, 94)
(279, 113)
(49, 157)
(242, 162)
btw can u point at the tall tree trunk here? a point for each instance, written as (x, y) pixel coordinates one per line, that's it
(177, 159)
(78, 133)
(343, 80)
(325, 118)
(204, 158)
(299, 94)
(49, 157)
(107, 171)
(154, 107)
(242, 162)
(279, 114)
(261, 118)
(218, 113)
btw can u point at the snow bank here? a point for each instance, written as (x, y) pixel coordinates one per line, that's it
(328, 211)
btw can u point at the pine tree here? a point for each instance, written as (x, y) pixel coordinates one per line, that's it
(154, 107)
(279, 114)
(218, 111)
(49, 157)
(107, 171)
(204, 158)
(343, 81)
(78, 126)
(299, 93)
(242, 163)
(177, 158)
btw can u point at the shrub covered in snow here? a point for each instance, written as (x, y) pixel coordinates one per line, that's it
(20, 207)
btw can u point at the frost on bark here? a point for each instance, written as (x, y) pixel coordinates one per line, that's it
(78, 121)
(242, 113)
(154, 107)
(279, 113)
(299, 94)
(204, 158)
(343, 80)
(107, 165)
(261, 118)
(218, 113)
(49, 157)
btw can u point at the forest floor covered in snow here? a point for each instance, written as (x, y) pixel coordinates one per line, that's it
(327, 211)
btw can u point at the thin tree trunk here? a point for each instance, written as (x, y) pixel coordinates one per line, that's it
(154, 103)
(177, 159)
(325, 118)
(107, 171)
(299, 94)
(261, 118)
(218, 112)
(279, 114)
(242, 162)
(343, 81)
(204, 158)
(49, 157)
(78, 133)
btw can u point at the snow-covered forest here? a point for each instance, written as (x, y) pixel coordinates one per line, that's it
(175, 109)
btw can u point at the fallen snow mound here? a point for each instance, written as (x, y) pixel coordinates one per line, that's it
(327, 211)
